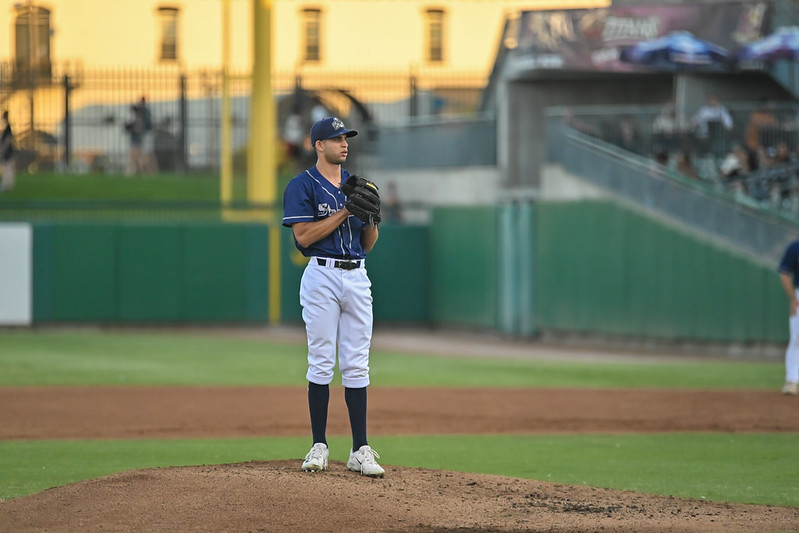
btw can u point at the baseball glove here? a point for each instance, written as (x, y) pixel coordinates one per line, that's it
(363, 199)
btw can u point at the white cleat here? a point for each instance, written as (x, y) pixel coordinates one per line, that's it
(363, 461)
(790, 388)
(316, 459)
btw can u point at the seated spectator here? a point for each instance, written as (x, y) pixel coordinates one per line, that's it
(776, 156)
(666, 121)
(783, 155)
(735, 164)
(662, 157)
(685, 165)
(629, 139)
(761, 120)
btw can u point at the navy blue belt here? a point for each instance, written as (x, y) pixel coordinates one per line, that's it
(344, 264)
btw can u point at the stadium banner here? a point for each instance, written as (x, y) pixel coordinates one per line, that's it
(592, 39)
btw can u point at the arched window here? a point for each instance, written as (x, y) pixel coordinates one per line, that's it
(32, 42)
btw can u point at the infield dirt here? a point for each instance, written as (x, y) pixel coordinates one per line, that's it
(277, 496)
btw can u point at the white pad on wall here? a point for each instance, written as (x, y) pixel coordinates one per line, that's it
(16, 267)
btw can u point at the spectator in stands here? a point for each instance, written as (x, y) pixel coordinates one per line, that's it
(734, 168)
(713, 124)
(761, 121)
(629, 138)
(783, 154)
(685, 165)
(665, 128)
(713, 112)
(662, 157)
(735, 163)
(7, 159)
(666, 121)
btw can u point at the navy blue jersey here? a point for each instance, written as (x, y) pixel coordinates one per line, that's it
(309, 197)
(790, 262)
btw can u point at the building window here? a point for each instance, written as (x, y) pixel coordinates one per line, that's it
(32, 40)
(168, 22)
(435, 35)
(311, 33)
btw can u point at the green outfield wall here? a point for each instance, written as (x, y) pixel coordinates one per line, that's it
(195, 273)
(398, 267)
(150, 273)
(603, 268)
(464, 271)
(523, 268)
(597, 267)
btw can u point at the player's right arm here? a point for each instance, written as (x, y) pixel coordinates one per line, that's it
(307, 233)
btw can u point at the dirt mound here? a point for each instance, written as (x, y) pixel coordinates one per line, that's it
(277, 496)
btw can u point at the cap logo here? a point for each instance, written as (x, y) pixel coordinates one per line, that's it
(337, 124)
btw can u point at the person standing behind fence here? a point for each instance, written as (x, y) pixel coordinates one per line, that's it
(7, 159)
(760, 127)
(142, 149)
(713, 124)
(789, 276)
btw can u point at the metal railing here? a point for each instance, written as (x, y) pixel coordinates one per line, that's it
(736, 221)
(754, 156)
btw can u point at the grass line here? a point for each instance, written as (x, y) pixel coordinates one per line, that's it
(131, 358)
(690, 465)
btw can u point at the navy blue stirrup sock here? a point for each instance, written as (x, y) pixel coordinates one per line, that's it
(356, 405)
(318, 399)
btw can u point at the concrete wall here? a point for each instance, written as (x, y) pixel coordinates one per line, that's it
(522, 101)
(418, 190)
(522, 104)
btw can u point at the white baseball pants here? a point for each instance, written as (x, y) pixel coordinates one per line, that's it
(792, 352)
(337, 311)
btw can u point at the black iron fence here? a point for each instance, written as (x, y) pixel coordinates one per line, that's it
(80, 119)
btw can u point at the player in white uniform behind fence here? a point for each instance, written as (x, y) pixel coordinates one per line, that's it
(335, 291)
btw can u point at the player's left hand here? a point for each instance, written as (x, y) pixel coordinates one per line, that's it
(363, 199)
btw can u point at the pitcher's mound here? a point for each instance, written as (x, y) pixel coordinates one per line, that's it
(278, 496)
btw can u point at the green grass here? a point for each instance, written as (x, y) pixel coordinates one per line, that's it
(103, 197)
(732, 468)
(62, 357)
(162, 187)
(747, 468)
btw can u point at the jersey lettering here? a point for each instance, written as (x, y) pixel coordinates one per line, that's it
(324, 210)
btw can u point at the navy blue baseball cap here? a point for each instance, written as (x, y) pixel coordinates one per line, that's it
(329, 127)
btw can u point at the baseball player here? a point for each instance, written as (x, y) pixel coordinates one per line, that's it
(789, 275)
(334, 218)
